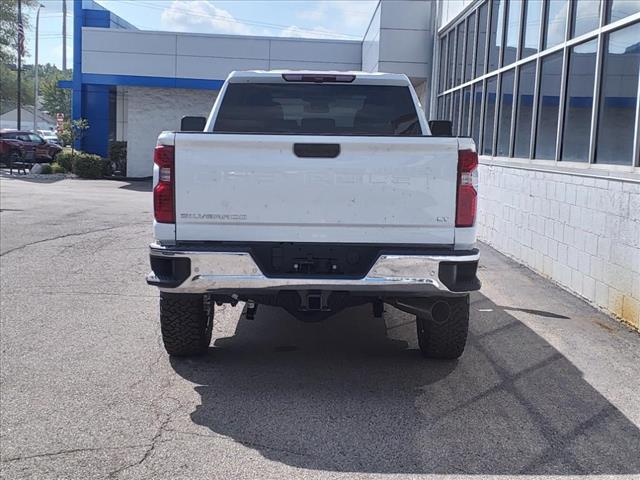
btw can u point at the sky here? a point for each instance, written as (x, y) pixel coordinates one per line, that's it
(343, 19)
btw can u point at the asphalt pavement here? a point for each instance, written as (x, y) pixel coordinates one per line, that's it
(547, 388)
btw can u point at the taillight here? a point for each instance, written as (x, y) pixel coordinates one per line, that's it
(467, 195)
(163, 193)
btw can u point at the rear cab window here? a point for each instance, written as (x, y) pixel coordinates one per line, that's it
(318, 109)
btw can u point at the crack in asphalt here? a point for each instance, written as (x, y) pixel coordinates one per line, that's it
(155, 440)
(68, 452)
(58, 237)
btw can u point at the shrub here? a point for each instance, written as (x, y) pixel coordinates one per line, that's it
(66, 135)
(64, 159)
(118, 156)
(46, 169)
(57, 168)
(107, 167)
(86, 165)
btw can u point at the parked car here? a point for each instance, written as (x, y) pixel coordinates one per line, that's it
(11, 150)
(50, 136)
(315, 192)
(34, 148)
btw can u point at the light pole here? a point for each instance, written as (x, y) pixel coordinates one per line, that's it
(35, 98)
(64, 36)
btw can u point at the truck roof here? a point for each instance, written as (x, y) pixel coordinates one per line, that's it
(277, 76)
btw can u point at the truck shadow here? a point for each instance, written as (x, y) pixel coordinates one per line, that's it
(353, 394)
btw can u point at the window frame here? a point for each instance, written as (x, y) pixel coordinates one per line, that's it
(635, 150)
(593, 100)
(472, 14)
(511, 132)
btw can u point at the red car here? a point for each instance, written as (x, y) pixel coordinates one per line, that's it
(20, 146)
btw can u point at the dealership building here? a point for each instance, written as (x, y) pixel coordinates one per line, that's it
(548, 89)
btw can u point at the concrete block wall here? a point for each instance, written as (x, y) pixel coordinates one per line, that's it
(581, 231)
(152, 110)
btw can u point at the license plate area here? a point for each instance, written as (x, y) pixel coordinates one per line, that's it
(316, 260)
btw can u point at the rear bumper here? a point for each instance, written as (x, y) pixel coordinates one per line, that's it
(183, 271)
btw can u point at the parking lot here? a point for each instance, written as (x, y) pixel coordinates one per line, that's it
(548, 386)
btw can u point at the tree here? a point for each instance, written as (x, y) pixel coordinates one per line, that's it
(9, 88)
(9, 27)
(72, 131)
(55, 99)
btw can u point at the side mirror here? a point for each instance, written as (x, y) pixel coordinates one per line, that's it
(192, 124)
(441, 128)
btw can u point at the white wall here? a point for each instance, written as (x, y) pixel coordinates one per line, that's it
(185, 55)
(152, 110)
(371, 44)
(406, 37)
(581, 231)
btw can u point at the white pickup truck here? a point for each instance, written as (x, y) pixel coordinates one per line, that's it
(314, 191)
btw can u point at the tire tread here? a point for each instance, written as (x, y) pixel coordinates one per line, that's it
(184, 326)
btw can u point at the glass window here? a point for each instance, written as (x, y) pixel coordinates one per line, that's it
(495, 34)
(579, 102)
(514, 9)
(489, 116)
(619, 9)
(455, 114)
(556, 22)
(586, 17)
(471, 32)
(548, 103)
(450, 59)
(443, 64)
(466, 107)
(618, 96)
(440, 108)
(524, 112)
(532, 22)
(459, 54)
(504, 118)
(317, 109)
(477, 113)
(481, 48)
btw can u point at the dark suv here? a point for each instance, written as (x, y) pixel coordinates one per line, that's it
(21, 146)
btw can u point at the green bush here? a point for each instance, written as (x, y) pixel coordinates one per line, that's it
(64, 159)
(86, 165)
(46, 169)
(107, 169)
(118, 156)
(57, 168)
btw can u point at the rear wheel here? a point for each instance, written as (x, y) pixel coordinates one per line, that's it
(186, 322)
(442, 334)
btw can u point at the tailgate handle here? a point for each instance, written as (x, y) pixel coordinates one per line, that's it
(316, 150)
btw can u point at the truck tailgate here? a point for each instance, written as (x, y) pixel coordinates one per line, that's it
(249, 188)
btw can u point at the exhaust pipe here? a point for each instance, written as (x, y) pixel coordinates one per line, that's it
(438, 308)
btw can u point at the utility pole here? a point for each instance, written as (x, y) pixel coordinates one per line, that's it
(36, 66)
(64, 35)
(20, 43)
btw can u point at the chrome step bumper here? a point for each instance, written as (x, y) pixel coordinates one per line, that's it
(184, 271)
